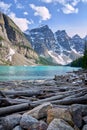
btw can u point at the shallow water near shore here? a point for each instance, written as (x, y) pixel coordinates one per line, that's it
(9, 73)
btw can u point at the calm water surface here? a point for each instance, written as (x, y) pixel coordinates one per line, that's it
(32, 72)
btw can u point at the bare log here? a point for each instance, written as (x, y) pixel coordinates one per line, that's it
(2, 94)
(28, 93)
(66, 95)
(10, 101)
(77, 100)
(13, 109)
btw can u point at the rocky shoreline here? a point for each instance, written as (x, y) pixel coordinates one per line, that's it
(55, 104)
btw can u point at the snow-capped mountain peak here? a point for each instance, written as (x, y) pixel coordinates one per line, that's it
(59, 46)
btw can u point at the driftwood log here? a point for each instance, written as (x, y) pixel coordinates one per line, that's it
(13, 109)
(28, 93)
(70, 101)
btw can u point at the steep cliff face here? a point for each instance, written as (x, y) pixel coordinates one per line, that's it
(67, 48)
(77, 43)
(42, 39)
(63, 39)
(15, 49)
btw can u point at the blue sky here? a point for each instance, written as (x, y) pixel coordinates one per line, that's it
(69, 15)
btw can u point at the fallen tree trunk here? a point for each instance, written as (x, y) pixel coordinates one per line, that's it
(66, 95)
(10, 101)
(77, 100)
(28, 93)
(12, 109)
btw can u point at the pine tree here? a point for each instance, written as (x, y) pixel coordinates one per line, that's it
(85, 57)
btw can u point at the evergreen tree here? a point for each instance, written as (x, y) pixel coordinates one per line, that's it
(84, 65)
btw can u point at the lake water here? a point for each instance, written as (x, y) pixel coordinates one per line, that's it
(32, 72)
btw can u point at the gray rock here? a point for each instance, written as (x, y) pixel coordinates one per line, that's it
(84, 127)
(59, 124)
(42, 125)
(83, 108)
(40, 111)
(76, 115)
(18, 128)
(1, 127)
(9, 122)
(76, 128)
(28, 122)
(85, 119)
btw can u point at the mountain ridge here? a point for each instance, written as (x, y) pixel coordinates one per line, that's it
(62, 48)
(57, 48)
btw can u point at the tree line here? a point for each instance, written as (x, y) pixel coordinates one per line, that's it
(81, 62)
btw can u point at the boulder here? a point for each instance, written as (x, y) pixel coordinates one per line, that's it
(1, 127)
(84, 127)
(9, 122)
(59, 124)
(83, 108)
(76, 113)
(28, 122)
(40, 111)
(85, 119)
(42, 126)
(62, 113)
(18, 128)
(76, 128)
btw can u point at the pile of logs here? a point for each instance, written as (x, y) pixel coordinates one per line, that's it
(16, 101)
(65, 94)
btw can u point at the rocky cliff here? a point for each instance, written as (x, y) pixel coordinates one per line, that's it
(15, 49)
(58, 46)
(42, 39)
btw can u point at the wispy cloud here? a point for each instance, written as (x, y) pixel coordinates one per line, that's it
(84, 1)
(75, 2)
(47, 1)
(22, 23)
(68, 6)
(53, 1)
(19, 6)
(25, 13)
(4, 7)
(68, 9)
(41, 11)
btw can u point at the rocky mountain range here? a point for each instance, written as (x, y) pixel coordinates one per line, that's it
(57, 47)
(15, 49)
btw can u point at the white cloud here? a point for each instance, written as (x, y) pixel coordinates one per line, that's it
(25, 13)
(68, 6)
(75, 2)
(54, 1)
(22, 23)
(84, 1)
(68, 9)
(4, 7)
(41, 11)
(19, 6)
(47, 1)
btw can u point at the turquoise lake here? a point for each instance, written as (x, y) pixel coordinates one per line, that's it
(9, 73)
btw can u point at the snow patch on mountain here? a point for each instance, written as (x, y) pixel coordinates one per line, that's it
(60, 59)
(59, 46)
(9, 56)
